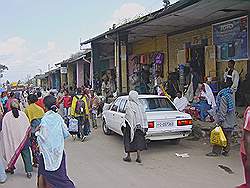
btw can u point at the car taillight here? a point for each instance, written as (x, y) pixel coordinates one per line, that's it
(184, 122)
(151, 124)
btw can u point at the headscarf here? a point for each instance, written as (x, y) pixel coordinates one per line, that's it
(135, 113)
(228, 94)
(50, 139)
(14, 104)
(208, 94)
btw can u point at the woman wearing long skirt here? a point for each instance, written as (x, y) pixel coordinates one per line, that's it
(50, 134)
(134, 129)
(15, 139)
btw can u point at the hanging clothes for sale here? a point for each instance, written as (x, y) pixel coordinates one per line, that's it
(159, 58)
(143, 59)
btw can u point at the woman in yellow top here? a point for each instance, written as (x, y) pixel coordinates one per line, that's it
(80, 111)
(35, 114)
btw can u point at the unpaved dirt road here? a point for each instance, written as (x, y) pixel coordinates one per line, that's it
(98, 163)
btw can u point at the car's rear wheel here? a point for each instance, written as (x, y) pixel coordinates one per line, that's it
(105, 128)
(175, 141)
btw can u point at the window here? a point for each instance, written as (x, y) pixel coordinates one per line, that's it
(115, 105)
(122, 106)
(157, 104)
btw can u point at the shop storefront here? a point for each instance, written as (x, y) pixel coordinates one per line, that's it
(75, 71)
(104, 69)
(188, 33)
(143, 71)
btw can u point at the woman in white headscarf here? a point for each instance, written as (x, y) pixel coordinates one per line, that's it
(134, 129)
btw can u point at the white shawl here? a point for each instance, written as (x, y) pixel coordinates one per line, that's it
(135, 113)
(208, 94)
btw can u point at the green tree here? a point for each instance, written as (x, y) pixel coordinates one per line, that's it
(3, 68)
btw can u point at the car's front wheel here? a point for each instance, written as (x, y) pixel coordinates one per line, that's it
(105, 128)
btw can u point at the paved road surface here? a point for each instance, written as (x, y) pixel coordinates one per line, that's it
(98, 163)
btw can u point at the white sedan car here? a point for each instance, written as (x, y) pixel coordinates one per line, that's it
(165, 122)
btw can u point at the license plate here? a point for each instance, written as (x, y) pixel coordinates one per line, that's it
(164, 124)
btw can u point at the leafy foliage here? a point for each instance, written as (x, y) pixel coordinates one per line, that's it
(3, 68)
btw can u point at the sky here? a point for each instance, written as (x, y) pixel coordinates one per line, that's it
(36, 34)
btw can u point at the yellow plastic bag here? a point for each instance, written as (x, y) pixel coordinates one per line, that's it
(218, 138)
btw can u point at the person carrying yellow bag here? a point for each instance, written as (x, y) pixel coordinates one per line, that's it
(80, 111)
(218, 137)
(226, 120)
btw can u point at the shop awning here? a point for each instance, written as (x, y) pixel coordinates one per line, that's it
(75, 58)
(40, 76)
(182, 16)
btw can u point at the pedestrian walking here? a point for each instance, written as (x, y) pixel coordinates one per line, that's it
(50, 136)
(80, 111)
(134, 129)
(66, 100)
(225, 117)
(72, 91)
(15, 139)
(40, 100)
(104, 86)
(94, 105)
(231, 77)
(1, 114)
(4, 99)
(59, 97)
(245, 148)
(9, 101)
(35, 114)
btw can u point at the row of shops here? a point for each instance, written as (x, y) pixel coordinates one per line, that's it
(72, 72)
(191, 34)
(200, 34)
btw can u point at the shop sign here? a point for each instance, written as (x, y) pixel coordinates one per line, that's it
(63, 70)
(231, 39)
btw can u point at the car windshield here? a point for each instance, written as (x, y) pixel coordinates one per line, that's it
(157, 104)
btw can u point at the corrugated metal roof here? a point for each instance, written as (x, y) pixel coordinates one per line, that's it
(152, 16)
(180, 17)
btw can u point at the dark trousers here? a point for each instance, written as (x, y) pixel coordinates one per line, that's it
(27, 160)
(83, 126)
(93, 118)
(228, 135)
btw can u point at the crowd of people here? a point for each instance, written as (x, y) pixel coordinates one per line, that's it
(40, 120)
(34, 124)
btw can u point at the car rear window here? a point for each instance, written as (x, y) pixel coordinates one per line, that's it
(157, 104)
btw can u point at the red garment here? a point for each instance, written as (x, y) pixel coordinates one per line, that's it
(143, 59)
(40, 103)
(67, 101)
(247, 173)
(246, 128)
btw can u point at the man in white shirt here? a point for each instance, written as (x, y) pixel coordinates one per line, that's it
(180, 102)
(231, 77)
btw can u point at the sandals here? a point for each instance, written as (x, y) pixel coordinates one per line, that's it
(225, 154)
(127, 159)
(9, 171)
(29, 175)
(83, 138)
(138, 161)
